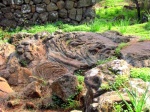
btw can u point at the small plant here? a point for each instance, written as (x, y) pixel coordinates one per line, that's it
(120, 46)
(142, 73)
(99, 62)
(118, 107)
(71, 104)
(105, 86)
(119, 81)
(23, 63)
(81, 83)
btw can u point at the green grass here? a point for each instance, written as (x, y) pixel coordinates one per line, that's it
(138, 101)
(120, 46)
(99, 62)
(143, 73)
(119, 81)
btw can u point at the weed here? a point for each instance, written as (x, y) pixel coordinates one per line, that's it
(81, 83)
(119, 81)
(99, 62)
(143, 73)
(138, 101)
(118, 107)
(120, 46)
(105, 86)
(23, 63)
(71, 104)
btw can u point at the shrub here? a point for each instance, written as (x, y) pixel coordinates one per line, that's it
(143, 73)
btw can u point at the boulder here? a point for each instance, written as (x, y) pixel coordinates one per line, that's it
(72, 13)
(25, 9)
(32, 90)
(65, 87)
(85, 3)
(20, 76)
(63, 13)
(30, 105)
(5, 51)
(8, 23)
(108, 71)
(40, 8)
(60, 4)
(137, 54)
(18, 2)
(69, 4)
(107, 100)
(5, 89)
(44, 16)
(14, 103)
(53, 16)
(37, 1)
(51, 7)
(46, 1)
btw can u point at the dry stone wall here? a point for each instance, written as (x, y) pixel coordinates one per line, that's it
(28, 12)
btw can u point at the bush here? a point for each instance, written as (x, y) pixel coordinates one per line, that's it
(142, 73)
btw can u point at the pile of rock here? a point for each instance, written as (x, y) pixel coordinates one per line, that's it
(28, 12)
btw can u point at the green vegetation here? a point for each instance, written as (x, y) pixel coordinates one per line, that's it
(71, 104)
(117, 84)
(137, 101)
(80, 80)
(99, 62)
(23, 63)
(147, 26)
(120, 46)
(119, 81)
(143, 73)
(118, 107)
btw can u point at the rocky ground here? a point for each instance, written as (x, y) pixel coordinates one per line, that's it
(36, 71)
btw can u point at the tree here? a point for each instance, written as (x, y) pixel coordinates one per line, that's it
(141, 4)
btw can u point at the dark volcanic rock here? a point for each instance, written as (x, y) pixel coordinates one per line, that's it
(116, 36)
(79, 50)
(137, 54)
(65, 86)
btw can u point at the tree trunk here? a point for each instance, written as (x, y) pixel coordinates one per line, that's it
(138, 9)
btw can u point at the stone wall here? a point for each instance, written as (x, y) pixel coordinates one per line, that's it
(28, 12)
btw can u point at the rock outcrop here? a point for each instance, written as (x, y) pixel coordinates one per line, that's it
(137, 54)
(40, 68)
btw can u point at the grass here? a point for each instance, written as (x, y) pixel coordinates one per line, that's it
(137, 101)
(143, 73)
(119, 81)
(117, 84)
(120, 46)
(99, 62)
